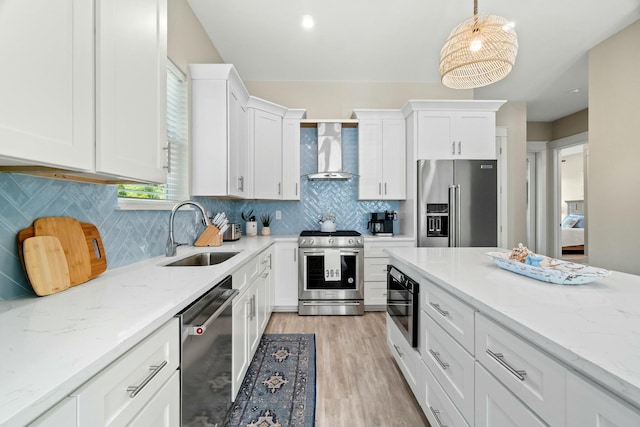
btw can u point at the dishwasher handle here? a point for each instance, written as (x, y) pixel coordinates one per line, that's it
(200, 329)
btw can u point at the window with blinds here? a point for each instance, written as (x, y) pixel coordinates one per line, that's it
(177, 148)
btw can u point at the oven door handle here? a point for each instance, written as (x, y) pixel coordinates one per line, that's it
(320, 303)
(200, 329)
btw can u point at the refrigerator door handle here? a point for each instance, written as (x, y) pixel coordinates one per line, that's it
(454, 216)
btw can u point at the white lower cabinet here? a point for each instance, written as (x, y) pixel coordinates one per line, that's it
(437, 406)
(407, 358)
(375, 270)
(164, 408)
(590, 406)
(498, 407)
(286, 276)
(121, 392)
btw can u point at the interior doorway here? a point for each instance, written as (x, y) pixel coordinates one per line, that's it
(570, 202)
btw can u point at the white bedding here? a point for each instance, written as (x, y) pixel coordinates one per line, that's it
(572, 236)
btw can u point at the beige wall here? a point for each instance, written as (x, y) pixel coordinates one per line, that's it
(187, 42)
(513, 115)
(572, 124)
(336, 100)
(613, 198)
(539, 131)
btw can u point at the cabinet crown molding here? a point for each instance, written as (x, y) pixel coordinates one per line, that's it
(368, 113)
(451, 105)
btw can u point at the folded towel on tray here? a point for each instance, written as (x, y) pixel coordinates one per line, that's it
(332, 265)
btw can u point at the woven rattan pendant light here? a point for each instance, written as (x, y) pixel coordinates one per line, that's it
(478, 52)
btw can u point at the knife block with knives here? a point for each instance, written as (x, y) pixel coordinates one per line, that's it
(212, 235)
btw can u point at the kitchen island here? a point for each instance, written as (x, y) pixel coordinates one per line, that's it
(589, 330)
(52, 345)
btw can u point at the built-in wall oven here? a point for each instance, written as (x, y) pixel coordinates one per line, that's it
(403, 303)
(331, 273)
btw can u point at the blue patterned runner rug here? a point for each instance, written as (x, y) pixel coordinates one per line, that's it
(279, 389)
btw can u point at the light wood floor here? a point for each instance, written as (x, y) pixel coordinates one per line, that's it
(358, 383)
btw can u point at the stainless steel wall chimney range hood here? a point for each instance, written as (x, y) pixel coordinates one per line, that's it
(329, 154)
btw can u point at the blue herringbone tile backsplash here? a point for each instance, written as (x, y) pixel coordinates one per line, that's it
(131, 236)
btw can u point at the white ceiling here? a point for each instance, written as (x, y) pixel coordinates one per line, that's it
(400, 41)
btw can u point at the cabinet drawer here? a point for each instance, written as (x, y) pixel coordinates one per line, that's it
(108, 400)
(407, 358)
(453, 315)
(248, 273)
(497, 407)
(532, 376)
(375, 293)
(449, 363)
(375, 269)
(437, 406)
(590, 406)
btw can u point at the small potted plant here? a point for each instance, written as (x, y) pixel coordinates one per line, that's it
(265, 219)
(251, 227)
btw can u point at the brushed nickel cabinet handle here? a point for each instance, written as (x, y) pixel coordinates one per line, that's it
(436, 355)
(436, 307)
(453, 148)
(155, 369)
(436, 414)
(398, 350)
(499, 357)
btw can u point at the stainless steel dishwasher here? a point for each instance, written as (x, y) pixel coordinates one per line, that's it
(206, 327)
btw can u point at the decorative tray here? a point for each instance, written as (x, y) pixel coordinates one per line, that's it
(551, 270)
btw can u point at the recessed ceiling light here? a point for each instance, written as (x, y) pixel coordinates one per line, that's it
(307, 21)
(574, 91)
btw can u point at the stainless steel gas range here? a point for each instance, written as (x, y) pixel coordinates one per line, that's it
(331, 273)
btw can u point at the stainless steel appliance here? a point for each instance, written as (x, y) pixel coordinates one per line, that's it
(457, 203)
(331, 273)
(232, 233)
(206, 330)
(381, 223)
(403, 303)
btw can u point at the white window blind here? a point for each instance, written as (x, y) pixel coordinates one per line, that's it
(177, 186)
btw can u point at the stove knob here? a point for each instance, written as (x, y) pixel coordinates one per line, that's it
(330, 241)
(311, 241)
(351, 241)
(303, 241)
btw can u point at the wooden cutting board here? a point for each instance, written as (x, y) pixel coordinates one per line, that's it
(73, 241)
(46, 265)
(97, 255)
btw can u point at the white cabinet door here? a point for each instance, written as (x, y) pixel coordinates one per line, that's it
(241, 310)
(590, 406)
(381, 159)
(47, 83)
(370, 159)
(290, 159)
(163, 410)
(436, 405)
(497, 407)
(407, 358)
(286, 277)
(394, 148)
(456, 135)
(266, 136)
(240, 181)
(131, 84)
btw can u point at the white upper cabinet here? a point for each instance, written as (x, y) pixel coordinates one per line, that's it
(220, 152)
(131, 55)
(81, 102)
(291, 153)
(454, 129)
(381, 154)
(47, 84)
(265, 137)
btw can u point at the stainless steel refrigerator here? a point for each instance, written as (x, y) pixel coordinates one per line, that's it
(457, 203)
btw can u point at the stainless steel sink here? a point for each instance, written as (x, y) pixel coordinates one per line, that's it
(203, 259)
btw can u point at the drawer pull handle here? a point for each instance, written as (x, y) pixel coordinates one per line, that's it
(155, 369)
(436, 306)
(436, 355)
(436, 414)
(398, 350)
(499, 357)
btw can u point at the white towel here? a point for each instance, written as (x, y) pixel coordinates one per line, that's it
(332, 265)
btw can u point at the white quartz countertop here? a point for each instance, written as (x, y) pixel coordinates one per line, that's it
(51, 345)
(593, 328)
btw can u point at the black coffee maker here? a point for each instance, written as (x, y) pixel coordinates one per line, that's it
(381, 223)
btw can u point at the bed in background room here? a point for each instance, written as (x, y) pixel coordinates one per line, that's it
(572, 231)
